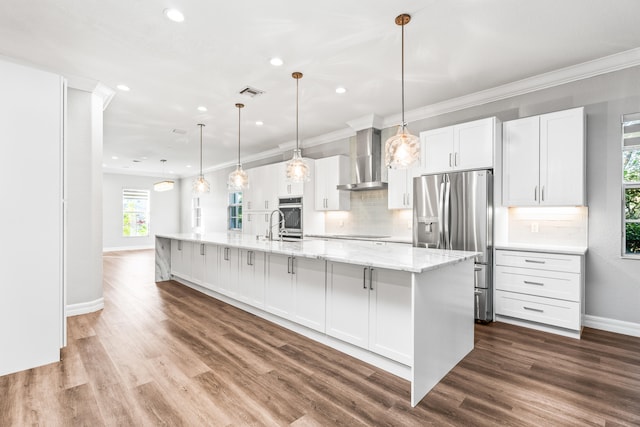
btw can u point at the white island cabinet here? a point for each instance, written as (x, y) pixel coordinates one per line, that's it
(406, 310)
(370, 308)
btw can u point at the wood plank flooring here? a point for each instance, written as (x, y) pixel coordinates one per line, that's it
(163, 354)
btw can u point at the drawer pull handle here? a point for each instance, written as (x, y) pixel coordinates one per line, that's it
(533, 283)
(537, 310)
(534, 261)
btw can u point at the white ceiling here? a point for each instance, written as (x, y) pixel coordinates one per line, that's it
(453, 48)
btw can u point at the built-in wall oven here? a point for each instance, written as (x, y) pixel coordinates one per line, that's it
(291, 208)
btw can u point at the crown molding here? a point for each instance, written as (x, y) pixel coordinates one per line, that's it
(585, 70)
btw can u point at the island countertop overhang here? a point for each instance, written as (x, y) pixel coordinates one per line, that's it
(393, 256)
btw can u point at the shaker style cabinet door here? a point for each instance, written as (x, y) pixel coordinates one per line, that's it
(309, 293)
(436, 150)
(520, 153)
(329, 173)
(473, 144)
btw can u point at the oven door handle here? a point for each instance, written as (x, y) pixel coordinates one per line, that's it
(292, 206)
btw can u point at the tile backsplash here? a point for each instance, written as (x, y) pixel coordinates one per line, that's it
(370, 215)
(566, 226)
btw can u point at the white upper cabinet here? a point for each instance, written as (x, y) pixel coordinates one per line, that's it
(262, 193)
(329, 173)
(464, 146)
(286, 188)
(400, 194)
(544, 160)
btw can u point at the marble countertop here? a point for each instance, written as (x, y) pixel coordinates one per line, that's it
(557, 249)
(393, 256)
(390, 239)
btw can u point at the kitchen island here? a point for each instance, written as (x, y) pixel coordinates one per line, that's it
(403, 309)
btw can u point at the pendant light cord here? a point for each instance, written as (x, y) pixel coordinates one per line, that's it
(239, 135)
(403, 122)
(297, 96)
(201, 126)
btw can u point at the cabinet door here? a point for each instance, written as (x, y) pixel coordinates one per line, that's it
(390, 315)
(269, 185)
(348, 303)
(212, 267)
(181, 259)
(248, 221)
(286, 188)
(198, 263)
(309, 293)
(251, 277)
(397, 194)
(562, 158)
(278, 286)
(520, 151)
(473, 144)
(228, 273)
(329, 173)
(251, 195)
(436, 150)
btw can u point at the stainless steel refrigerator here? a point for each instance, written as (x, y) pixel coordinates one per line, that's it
(454, 211)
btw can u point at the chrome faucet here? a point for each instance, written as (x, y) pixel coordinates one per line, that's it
(280, 225)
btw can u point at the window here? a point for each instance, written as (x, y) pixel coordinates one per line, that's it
(196, 215)
(135, 213)
(631, 185)
(235, 211)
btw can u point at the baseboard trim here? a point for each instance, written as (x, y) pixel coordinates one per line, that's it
(127, 248)
(612, 325)
(85, 307)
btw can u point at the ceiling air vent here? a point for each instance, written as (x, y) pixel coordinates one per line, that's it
(251, 92)
(179, 131)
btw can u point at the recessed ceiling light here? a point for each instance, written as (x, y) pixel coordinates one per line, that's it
(259, 123)
(144, 157)
(174, 14)
(171, 172)
(123, 88)
(114, 157)
(104, 165)
(276, 62)
(202, 108)
(188, 166)
(341, 90)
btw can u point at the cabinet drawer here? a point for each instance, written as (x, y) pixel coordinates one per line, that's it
(539, 261)
(551, 284)
(565, 314)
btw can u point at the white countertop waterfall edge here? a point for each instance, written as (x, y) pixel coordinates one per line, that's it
(393, 256)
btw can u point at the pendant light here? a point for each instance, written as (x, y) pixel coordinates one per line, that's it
(201, 185)
(165, 184)
(297, 167)
(238, 179)
(403, 149)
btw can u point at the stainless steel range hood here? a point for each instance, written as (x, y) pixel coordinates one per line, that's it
(366, 162)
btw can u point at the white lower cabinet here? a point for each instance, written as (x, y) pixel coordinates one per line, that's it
(211, 267)
(228, 271)
(198, 263)
(540, 288)
(295, 289)
(181, 258)
(370, 308)
(251, 275)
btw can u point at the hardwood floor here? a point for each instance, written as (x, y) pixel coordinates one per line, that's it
(167, 355)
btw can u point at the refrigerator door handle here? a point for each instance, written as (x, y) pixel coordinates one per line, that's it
(441, 217)
(447, 207)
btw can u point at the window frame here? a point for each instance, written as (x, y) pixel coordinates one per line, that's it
(628, 120)
(146, 212)
(235, 204)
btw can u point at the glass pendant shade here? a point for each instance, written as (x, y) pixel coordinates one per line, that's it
(297, 168)
(238, 179)
(201, 185)
(163, 185)
(402, 150)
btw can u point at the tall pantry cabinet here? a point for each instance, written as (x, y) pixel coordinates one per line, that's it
(31, 256)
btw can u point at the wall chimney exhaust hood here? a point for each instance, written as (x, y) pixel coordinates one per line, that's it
(366, 162)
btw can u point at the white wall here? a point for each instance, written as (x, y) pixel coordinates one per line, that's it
(165, 211)
(83, 193)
